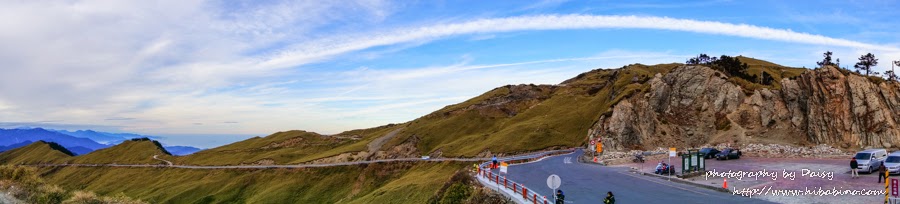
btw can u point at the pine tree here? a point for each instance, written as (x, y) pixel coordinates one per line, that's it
(827, 60)
(866, 63)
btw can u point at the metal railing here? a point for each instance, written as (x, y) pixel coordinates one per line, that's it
(518, 189)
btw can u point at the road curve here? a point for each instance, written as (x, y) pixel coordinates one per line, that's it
(588, 183)
(163, 160)
(170, 165)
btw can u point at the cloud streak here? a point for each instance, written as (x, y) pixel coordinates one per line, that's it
(320, 50)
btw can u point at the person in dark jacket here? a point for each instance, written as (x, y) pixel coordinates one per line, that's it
(610, 199)
(881, 173)
(560, 198)
(853, 168)
(494, 162)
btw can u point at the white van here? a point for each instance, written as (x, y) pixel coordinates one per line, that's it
(892, 163)
(869, 160)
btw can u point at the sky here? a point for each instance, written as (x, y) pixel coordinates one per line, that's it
(200, 71)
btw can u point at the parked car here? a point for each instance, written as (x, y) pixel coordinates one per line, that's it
(728, 153)
(869, 160)
(709, 153)
(892, 162)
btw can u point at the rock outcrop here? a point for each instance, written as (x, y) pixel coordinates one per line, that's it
(695, 105)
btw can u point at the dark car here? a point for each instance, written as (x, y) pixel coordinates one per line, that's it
(728, 153)
(709, 153)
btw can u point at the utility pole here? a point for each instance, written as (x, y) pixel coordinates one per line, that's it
(892, 68)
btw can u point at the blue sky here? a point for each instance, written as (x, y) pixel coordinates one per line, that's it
(194, 70)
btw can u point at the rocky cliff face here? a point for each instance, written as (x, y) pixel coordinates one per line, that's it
(694, 105)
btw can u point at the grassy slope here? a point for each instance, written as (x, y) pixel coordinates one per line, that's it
(561, 120)
(378, 183)
(128, 152)
(39, 152)
(311, 146)
(757, 66)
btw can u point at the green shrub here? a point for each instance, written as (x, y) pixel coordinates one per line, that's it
(121, 198)
(722, 122)
(457, 193)
(48, 194)
(83, 197)
(23, 175)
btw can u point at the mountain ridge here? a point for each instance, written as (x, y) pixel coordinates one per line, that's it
(39, 152)
(13, 136)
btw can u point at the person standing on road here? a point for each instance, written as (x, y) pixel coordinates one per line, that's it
(560, 198)
(881, 173)
(853, 166)
(494, 160)
(610, 199)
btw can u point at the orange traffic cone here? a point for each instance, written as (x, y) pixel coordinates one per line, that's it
(724, 183)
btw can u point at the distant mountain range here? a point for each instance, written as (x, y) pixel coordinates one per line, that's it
(181, 150)
(79, 142)
(104, 137)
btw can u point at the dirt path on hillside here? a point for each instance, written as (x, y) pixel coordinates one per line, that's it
(376, 144)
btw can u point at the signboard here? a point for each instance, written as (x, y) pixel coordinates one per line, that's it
(894, 187)
(504, 167)
(694, 159)
(599, 147)
(553, 182)
(672, 152)
(702, 163)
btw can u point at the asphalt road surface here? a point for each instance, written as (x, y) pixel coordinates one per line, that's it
(588, 183)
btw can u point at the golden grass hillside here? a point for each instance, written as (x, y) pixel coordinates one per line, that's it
(39, 152)
(376, 183)
(136, 151)
(290, 147)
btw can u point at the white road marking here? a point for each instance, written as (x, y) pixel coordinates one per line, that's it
(698, 192)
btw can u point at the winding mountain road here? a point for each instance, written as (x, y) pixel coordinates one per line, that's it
(588, 183)
(163, 160)
(171, 165)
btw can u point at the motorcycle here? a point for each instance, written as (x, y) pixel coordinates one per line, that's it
(666, 170)
(638, 158)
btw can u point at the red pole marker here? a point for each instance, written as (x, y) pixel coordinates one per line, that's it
(724, 183)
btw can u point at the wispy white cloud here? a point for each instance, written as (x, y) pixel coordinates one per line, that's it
(320, 50)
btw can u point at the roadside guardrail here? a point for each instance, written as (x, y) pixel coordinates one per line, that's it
(518, 189)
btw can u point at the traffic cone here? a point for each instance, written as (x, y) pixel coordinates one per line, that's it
(724, 183)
